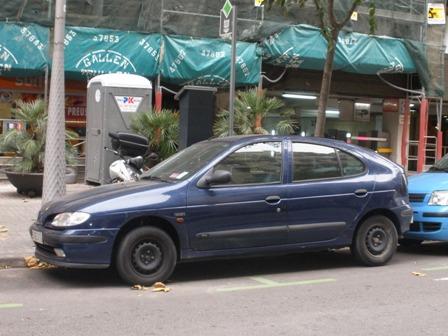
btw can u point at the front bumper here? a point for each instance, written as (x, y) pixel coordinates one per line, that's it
(74, 248)
(430, 222)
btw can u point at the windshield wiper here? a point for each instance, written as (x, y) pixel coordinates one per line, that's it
(434, 168)
(155, 178)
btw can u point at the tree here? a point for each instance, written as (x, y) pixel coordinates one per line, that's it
(330, 27)
(161, 127)
(251, 107)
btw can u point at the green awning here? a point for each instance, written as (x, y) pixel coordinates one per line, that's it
(23, 49)
(91, 51)
(194, 61)
(304, 47)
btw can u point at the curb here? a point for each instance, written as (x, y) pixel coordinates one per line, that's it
(6, 263)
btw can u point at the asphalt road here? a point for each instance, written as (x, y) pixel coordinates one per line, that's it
(306, 294)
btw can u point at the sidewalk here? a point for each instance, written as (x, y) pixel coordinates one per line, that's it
(17, 213)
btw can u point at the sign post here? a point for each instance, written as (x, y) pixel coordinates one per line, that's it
(227, 28)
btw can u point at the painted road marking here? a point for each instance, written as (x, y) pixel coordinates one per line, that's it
(441, 279)
(439, 268)
(10, 305)
(266, 283)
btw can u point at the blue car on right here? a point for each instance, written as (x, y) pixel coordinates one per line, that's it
(428, 195)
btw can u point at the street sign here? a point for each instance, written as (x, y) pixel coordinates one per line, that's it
(436, 13)
(258, 3)
(227, 8)
(225, 20)
(225, 26)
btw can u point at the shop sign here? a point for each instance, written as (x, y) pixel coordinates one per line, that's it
(391, 105)
(128, 103)
(91, 51)
(23, 49)
(436, 13)
(75, 108)
(205, 61)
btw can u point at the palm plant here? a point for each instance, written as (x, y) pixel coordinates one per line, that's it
(28, 142)
(251, 107)
(161, 128)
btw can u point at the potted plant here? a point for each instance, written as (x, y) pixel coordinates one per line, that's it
(161, 128)
(28, 145)
(251, 108)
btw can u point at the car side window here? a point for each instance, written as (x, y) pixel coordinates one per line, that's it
(313, 162)
(257, 163)
(350, 164)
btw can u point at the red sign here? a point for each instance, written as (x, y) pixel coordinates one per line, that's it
(390, 105)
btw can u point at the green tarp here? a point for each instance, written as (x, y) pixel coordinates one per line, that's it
(304, 47)
(90, 52)
(23, 49)
(192, 61)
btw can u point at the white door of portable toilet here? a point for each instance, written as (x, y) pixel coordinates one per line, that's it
(112, 101)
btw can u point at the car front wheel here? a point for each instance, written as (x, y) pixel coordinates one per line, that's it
(375, 241)
(146, 255)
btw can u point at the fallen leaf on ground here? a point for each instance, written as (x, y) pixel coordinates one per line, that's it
(418, 274)
(139, 287)
(3, 229)
(160, 287)
(33, 263)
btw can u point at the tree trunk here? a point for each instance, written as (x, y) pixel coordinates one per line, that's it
(325, 88)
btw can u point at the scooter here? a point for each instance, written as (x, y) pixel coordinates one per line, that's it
(131, 149)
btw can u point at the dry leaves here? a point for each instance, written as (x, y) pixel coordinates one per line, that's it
(157, 287)
(33, 263)
(3, 232)
(160, 287)
(418, 274)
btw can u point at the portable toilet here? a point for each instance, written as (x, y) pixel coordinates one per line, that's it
(112, 101)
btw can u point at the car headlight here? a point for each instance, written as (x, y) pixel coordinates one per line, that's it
(70, 219)
(439, 198)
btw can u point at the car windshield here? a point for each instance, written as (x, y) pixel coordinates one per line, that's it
(441, 165)
(185, 163)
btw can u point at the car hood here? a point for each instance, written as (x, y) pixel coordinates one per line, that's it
(111, 197)
(427, 182)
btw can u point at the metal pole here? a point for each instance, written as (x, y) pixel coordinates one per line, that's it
(423, 126)
(54, 165)
(232, 69)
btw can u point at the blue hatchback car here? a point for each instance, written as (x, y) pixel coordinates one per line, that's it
(235, 196)
(428, 194)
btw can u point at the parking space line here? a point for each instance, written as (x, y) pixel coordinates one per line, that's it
(10, 305)
(266, 283)
(439, 268)
(441, 279)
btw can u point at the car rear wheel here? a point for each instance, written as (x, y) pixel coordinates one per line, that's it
(146, 255)
(375, 241)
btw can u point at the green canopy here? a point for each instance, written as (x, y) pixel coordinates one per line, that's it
(303, 46)
(91, 51)
(193, 61)
(23, 49)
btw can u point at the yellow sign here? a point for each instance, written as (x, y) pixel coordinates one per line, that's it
(436, 13)
(354, 16)
(258, 3)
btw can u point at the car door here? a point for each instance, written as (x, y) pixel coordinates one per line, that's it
(329, 190)
(246, 212)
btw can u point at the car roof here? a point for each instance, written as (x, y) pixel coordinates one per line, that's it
(242, 139)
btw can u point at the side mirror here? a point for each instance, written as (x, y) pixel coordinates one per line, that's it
(216, 177)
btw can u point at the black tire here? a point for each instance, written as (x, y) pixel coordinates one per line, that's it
(406, 242)
(146, 255)
(375, 241)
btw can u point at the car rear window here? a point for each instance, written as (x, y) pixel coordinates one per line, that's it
(350, 164)
(312, 162)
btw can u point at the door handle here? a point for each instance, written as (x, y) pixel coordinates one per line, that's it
(273, 199)
(361, 192)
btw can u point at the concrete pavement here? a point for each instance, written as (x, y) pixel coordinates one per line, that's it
(17, 213)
